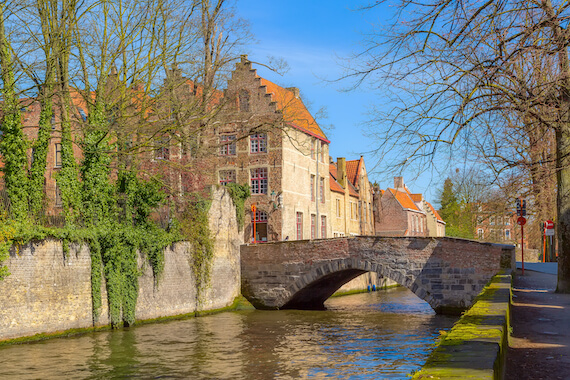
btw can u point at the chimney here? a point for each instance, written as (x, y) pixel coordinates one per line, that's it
(341, 171)
(295, 91)
(399, 183)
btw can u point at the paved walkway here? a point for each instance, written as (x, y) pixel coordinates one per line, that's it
(551, 268)
(539, 345)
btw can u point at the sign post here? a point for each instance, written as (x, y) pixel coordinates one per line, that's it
(521, 221)
(549, 231)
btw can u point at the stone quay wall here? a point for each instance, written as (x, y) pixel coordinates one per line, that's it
(49, 292)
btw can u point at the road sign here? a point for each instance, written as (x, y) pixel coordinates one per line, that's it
(549, 225)
(521, 220)
(549, 232)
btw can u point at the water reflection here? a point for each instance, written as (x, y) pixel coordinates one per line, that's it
(366, 336)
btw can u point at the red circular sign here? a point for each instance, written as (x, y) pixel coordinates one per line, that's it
(521, 221)
(549, 224)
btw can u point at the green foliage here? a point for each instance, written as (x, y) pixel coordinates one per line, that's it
(68, 178)
(239, 194)
(195, 228)
(36, 174)
(456, 214)
(12, 144)
(7, 232)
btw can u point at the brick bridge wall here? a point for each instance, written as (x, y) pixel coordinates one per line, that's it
(445, 272)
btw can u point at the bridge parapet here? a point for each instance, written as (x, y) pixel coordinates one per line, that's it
(445, 272)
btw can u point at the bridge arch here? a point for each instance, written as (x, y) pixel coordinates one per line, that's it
(447, 273)
(312, 289)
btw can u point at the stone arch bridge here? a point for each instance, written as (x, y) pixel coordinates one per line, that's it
(445, 272)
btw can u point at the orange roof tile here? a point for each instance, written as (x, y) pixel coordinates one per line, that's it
(294, 111)
(416, 197)
(404, 199)
(352, 171)
(335, 186)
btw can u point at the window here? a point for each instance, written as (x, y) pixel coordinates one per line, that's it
(259, 181)
(53, 122)
(479, 219)
(312, 188)
(313, 226)
(260, 216)
(299, 226)
(499, 220)
(57, 196)
(244, 101)
(323, 226)
(322, 151)
(492, 220)
(322, 189)
(58, 155)
(480, 233)
(229, 145)
(162, 148)
(258, 143)
(338, 208)
(227, 176)
(507, 221)
(507, 234)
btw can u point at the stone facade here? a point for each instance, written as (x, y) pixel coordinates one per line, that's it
(49, 292)
(288, 175)
(447, 273)
(351, 198)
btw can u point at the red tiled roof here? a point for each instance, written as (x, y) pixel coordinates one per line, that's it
(416, 197)
(294, 111)
(335, 186)
(353, 170)
(404, 199)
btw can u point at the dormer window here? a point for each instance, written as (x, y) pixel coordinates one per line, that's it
(244, 101)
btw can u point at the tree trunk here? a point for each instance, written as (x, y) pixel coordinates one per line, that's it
(563, 233)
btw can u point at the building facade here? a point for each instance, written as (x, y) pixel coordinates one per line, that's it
(351, 198)
(399, 212)
(272, 143)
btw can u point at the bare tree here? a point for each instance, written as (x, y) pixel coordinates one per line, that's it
(463, 73)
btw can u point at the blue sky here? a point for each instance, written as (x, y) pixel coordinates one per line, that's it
(312, 36)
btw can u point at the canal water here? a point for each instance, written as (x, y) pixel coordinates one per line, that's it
(379, 335)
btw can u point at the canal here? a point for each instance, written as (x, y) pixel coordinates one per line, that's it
(379, 335)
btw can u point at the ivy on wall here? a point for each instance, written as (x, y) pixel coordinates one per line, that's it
(239, 194)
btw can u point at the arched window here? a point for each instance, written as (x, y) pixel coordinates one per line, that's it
(244, 100)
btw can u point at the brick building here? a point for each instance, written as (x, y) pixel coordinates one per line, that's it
(351, 198)
(270, 141)
(398, 212)
(495, 226)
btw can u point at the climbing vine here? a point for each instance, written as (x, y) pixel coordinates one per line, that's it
(195, 228)
(13, 144)
(239, 194)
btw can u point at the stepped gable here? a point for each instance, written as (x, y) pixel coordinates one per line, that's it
(438, 217)
(285, 101)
